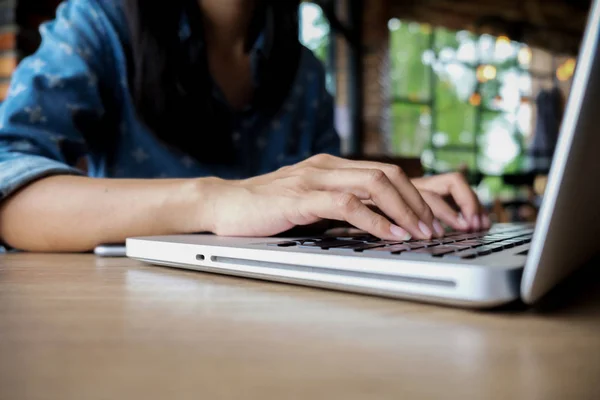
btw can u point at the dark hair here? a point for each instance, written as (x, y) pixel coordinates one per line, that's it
(170, 82)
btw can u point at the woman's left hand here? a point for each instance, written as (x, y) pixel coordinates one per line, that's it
(471, 215)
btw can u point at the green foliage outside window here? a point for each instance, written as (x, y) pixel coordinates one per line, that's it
(440, 110)
(458, 100)
(314, 32)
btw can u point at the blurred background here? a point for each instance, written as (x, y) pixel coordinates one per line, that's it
(440, 85)
(431, 85)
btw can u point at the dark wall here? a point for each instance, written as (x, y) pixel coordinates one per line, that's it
(29, 15)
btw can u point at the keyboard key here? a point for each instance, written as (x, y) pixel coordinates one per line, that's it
(471, 243)
(438, 251)
(283, 244)
(405, 245)
(455, 233)
(425, 243)
(327, 244)
(446, 240)
(459, 246)
(515, 242)
(496, 247)
(466, 236)
(390, 242)
(370, 239)
(359, 248)
(415, 245)
(455, 244)
(488, 249)
(502, 235)
(488, 241)
(519, 242)
(394, 249)
(360, 238)
(462, 255)
(506, 244)
(311, 242)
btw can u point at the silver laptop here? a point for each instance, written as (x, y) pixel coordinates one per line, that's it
(480, 270)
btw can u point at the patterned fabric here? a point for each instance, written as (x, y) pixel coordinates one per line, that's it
(69, 102)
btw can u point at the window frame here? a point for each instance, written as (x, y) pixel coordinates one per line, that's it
(473, 148)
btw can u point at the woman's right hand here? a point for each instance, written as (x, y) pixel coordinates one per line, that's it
(91, 211)
(322, 187)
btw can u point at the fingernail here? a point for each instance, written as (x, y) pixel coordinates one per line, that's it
(400, 233)
(438, 228)
(485, 220)
(476, 223)
(462, 221)
(425, 229)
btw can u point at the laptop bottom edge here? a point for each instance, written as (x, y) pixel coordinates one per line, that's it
(481, 290)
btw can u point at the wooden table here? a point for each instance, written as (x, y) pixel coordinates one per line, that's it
(77, 327)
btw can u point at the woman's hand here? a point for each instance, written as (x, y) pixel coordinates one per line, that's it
(322, 187)
(471, 215)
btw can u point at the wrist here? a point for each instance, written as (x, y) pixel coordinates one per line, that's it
(191, 204)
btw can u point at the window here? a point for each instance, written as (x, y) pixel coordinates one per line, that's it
(315, 34)
(465, 101)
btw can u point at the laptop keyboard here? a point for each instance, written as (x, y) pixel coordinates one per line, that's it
(455, 245)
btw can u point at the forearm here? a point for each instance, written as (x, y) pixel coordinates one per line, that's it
(73, 214)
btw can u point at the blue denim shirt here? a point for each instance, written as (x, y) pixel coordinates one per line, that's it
(81, 63)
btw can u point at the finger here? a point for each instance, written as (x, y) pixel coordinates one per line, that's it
(374, 185)
(467, 200)
(409, 192)
(457, 186)
(485, 221)
(347, 207)
(444, 212)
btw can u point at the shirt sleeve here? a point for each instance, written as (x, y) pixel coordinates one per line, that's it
(50, 91)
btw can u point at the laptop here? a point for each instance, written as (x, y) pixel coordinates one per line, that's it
(476, 270)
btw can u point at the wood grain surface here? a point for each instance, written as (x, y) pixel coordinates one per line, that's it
(79, 327)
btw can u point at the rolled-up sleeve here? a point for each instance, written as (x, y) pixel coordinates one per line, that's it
(39, 134)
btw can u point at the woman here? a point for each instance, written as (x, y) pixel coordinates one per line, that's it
(215, 97)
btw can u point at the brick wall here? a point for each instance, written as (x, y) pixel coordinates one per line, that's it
(376, 36)
(19, 36)
(8, 45)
